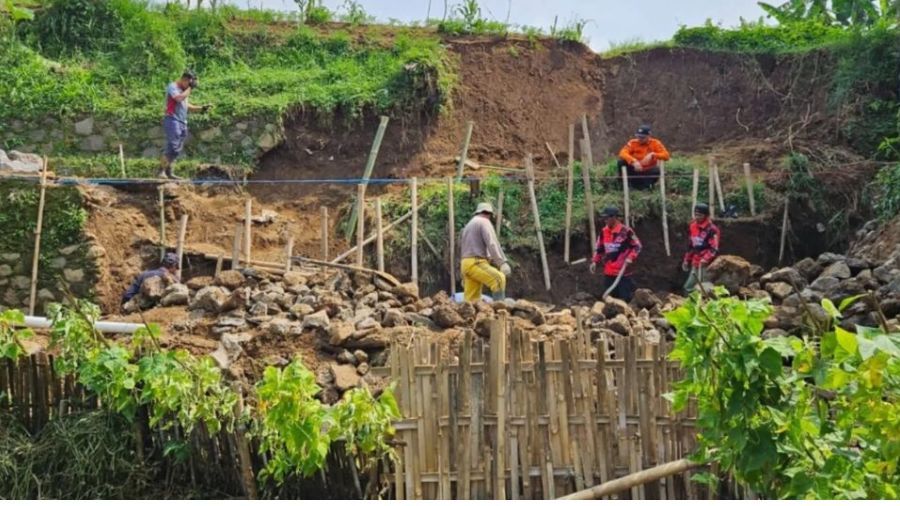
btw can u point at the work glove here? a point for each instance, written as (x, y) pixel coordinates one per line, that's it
(593, 268)
(505, 269)
(685, 266)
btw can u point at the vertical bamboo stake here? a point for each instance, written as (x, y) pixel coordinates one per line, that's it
(570, 184)
(414, 231)
(451, 234)
(626, 196)
(236, 246)
(367, 172)
(324, 233)
(586, 164)
(32, 300)
(360, 223)
(784, 228)
(712, 189)
(219, 261)
(662, 202)
(719, 193)
(379, 236)
(499, 218)
(465, 150)
(288, 254)
(122, 160)
(248, 208)
(696, 187)
(529, 173)
(179, 246)
(162, 223)
(749, 180)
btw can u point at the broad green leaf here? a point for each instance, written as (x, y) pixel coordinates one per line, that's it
(867, 347)
(850, 300)
(846, 340)
(787, 346)
(830, 309)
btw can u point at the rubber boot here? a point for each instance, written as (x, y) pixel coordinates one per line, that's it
(498, 295)
(170, 174)
(161, 174)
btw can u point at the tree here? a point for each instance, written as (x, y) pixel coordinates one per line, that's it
(844, 12)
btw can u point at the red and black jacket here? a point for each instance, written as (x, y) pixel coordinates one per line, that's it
(614, 247)
(703, 243)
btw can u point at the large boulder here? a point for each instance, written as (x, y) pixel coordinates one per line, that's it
(153, 288)
(787, 275)
(345, 376)
(730, 271)
(230, 279)
(645, 299)
(779, 290)
(447, 317)
(809, 268)
(318, 320)
(175, 294)
(826, 285)
(210, 299)
(198, 282)
(409, 290)
(838, 269)
(613, 307)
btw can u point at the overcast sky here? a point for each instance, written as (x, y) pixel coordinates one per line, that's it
(611, 21)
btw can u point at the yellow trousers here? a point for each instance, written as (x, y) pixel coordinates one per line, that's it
(478, 273)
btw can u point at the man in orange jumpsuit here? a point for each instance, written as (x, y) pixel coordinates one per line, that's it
(641, 157)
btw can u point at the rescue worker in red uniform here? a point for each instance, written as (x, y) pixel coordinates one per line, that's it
(617, 247)
(703, 246)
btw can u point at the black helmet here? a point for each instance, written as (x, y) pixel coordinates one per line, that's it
(702, 209)
(611, 212)
(643, 130)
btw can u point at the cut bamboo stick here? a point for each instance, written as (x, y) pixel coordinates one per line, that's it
(570, 185)
(379, 236)
(324, 211)
(499, 218)
(529, 166)
(451, 234)
(32, 299)
(586, 164)
(367, 172)
(662, 204)
(219, 261)
(748, 178)
(634, 480)
(465, 150)
(360, 223)
(288, 254)
(162, 223)
(179, 245)
(236, 246)
(553, 155)
(711, 180)
(784, 228)
(414, 230)
(122, 161)
(627, 197)
(248, 238)
(719, 193)
(694, 189)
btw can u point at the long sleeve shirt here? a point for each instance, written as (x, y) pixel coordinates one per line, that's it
(703, 243)
(635, 151)
(478, 240)
(614, 247)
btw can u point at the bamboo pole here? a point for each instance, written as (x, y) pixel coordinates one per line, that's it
(553, 155)
(219, 261)
(586, 164)
(662, 203)
(373, 237)
(529, 167)
(248, 238)
(379, 236)
(784, 228)
(749, 180)
(414, 231)
(499, 219)
(626, 196)
(179, 245)
(719, 193)
(451, 234)
(122, 161)
(465, 150)
(712, 188)
(236, 246)
(570, 185)
(637, 479)
(32, 299)
(288, 253)
(367, 172)
(162, 223)
(695, 188)
(324, 240)
(360, 223)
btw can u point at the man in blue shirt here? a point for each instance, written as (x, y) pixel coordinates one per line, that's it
(169, 269)
(175, 122)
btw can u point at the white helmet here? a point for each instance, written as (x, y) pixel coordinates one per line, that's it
(484, 207)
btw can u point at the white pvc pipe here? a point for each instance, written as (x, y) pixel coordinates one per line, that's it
(38, 322)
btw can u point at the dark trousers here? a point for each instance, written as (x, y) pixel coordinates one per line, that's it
(639, 180)
(624, 290)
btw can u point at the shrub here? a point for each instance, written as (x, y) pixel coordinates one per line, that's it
(318, 15)
(887, 194)
(69, 27)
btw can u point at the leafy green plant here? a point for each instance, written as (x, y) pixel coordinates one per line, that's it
(887, 192)
(355, 14)
(12, 335)
(572, 32)
(822, 428)
(318, 15)
(365, 423)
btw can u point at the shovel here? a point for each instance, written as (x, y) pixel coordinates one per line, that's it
(616, 282)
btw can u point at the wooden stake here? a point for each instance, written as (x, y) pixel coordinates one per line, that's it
(236, 246)
(179, 245)
(465, 150)
(379, 236)
(324, 239)
(122, 160)
(451, 234)
(749, 180)
(499, 219)
(696, 187)
(719, 193)
(32, 300)
(219, 261)
(784, 228)
(662, 202)
(360, 223)
(248, 238)
(553, 155)
(626, 196)
(529, 171)
(586, 164)
(373, 237)
(570, 185)
(288, 253)
(162, 223)
(712, 188)
(367, 172)
(414, 230)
